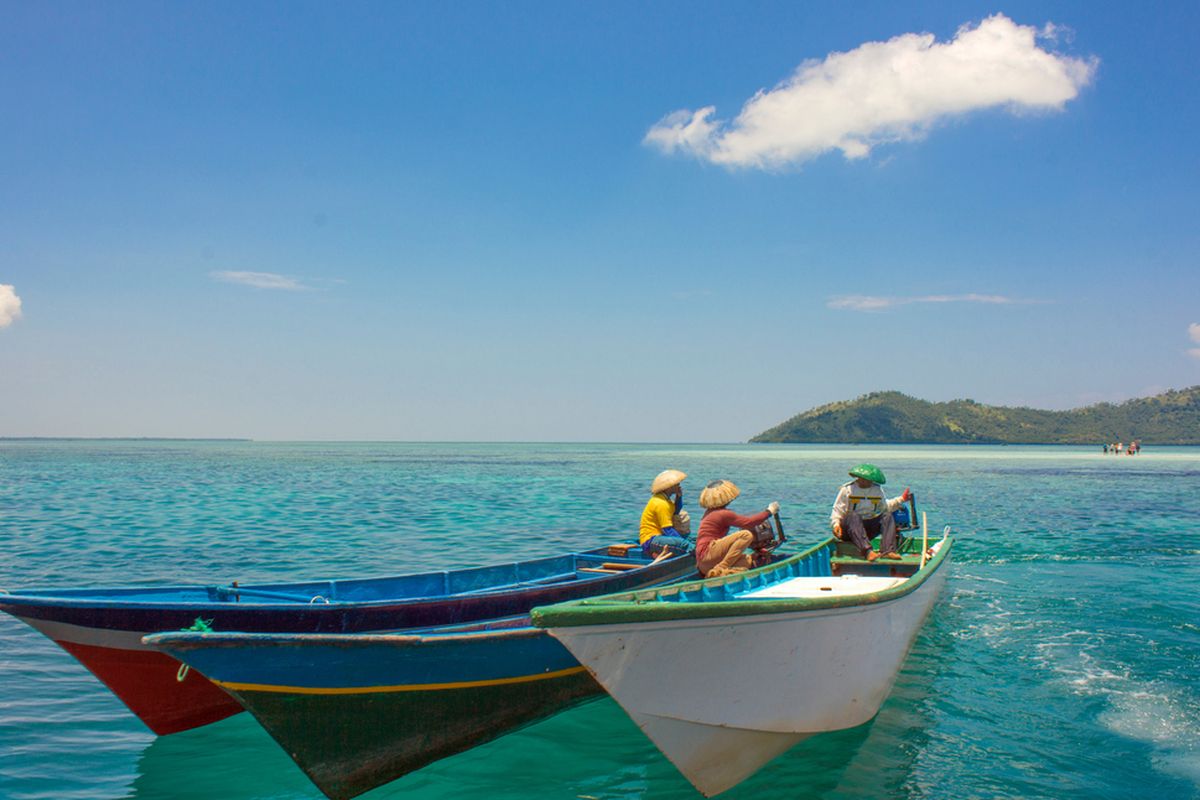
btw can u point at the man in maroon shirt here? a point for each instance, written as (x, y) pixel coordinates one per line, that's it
(719, 552)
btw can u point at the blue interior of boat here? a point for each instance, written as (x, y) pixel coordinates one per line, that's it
(446, 583)
(816, 564)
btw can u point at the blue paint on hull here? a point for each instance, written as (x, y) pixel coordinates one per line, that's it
(358, 711)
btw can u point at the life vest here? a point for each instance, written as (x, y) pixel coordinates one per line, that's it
(878, 504)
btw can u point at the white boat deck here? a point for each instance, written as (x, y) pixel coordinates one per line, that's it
(842, 586)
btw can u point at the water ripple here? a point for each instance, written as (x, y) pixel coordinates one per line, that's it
(1060, 664)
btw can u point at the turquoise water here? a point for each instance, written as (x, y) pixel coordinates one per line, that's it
(1062, 660)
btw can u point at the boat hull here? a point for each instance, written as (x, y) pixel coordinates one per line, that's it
(166, 697)
(355, 712)
(744, 689)
(104, 629)
(153, 686)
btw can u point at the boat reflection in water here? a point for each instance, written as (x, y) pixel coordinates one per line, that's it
(234, 760)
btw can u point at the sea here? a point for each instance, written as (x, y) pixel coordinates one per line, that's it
(1061, 661)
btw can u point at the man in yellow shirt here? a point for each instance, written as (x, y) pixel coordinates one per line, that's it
(665, 525)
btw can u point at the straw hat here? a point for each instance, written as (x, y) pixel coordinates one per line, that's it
(719, 493)
(666, 479)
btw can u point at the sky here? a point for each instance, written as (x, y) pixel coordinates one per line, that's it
(614, 221)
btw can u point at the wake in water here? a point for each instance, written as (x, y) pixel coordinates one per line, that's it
(1157, 712)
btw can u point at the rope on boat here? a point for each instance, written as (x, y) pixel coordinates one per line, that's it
(317, 597)
(199, 626)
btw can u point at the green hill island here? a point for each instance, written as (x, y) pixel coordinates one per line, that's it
(893, 418)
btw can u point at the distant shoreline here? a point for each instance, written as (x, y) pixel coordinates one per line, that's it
(746, 444)
(115, 439)
(1097, 445)
(1172, 417)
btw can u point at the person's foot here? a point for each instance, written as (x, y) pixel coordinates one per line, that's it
(871, 555)
(893, 555)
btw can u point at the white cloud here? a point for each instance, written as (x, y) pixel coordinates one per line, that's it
(862, 302)
(881, 92)
(10, 305)
(259, 280)
(865, 302)
(1194, 335)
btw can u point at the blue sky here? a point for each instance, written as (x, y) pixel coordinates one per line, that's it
(482, 222)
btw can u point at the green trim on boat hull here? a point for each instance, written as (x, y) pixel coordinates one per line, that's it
(650, 606)
(350, 744)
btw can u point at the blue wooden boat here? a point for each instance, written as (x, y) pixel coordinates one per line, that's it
(355, 711)
(103, 628)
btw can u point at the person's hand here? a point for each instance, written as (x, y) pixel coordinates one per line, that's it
(773, 509)
(907, 494)
(837, 530)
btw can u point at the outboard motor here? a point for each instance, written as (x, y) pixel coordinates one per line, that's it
(768, 534)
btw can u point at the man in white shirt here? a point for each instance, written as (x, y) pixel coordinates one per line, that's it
(862, 512)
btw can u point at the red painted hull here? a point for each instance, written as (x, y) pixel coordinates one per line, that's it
(147, 682)
(103, 628)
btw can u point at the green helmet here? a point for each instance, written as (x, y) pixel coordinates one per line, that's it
(869, 472)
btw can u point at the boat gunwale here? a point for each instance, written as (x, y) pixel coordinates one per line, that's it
(650, 605)
(12, 600)
(172, 641)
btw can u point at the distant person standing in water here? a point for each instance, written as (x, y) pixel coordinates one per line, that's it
(862, 512)
(665, 525)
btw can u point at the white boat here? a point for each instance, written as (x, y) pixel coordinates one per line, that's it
(725, 674)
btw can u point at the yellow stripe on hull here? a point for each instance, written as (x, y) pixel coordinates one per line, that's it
(408, 687)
